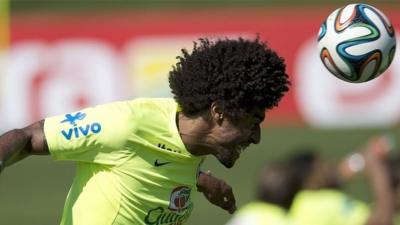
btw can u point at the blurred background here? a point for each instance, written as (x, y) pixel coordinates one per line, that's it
(59, 56)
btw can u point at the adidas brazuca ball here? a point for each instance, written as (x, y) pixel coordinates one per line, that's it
(356, 43)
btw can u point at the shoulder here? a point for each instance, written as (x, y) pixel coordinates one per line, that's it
(334, 200)
(136, 106)
(154, 104)
(255, 212)
(262, 207)
(322, 193)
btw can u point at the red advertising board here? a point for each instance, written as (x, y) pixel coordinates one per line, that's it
(64, 61)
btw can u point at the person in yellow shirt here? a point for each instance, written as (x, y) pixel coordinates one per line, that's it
(274, 196)
(138, 160)
(277, 186)
(322, 202)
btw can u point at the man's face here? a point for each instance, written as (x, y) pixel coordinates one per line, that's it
(231, 137)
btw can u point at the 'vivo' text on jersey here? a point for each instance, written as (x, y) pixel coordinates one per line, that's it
(79, 131)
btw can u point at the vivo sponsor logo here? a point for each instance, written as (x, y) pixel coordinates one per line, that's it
(79, 131)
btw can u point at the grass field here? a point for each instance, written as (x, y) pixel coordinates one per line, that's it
(32, 192)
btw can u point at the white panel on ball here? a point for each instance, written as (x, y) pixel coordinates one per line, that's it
(358, 41)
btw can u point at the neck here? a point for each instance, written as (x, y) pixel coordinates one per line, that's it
(195, 132)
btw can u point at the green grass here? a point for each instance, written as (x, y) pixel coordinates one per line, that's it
(33, 191)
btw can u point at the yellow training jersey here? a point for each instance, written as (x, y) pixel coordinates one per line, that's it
(328, 207)
(132, 166)
(260, 213)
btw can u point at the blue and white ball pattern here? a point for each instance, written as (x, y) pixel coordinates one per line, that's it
(356, 43)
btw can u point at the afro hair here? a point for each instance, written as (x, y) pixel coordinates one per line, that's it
(237, 74)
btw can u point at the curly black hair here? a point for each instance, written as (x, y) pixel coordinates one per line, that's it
(238, 74)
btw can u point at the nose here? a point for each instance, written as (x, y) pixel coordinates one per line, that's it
(256, 135)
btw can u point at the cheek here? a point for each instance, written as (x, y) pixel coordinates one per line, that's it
(233, 134)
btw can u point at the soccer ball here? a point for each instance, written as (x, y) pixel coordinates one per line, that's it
(356, 43)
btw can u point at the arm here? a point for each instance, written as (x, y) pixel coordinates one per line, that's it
(17, 144)
(216, 191)
(383, 209)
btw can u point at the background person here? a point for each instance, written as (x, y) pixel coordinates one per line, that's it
(323, 202)
(277, 184)
(273, 197)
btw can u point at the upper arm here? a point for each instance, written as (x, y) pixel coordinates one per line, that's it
(95, 134)
(37, 144)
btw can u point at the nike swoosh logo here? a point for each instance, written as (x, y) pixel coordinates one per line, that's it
(157, 164)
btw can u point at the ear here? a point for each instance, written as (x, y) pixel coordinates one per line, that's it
(217, 114)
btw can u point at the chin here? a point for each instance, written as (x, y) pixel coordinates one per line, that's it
(228, 163)
(228, 160)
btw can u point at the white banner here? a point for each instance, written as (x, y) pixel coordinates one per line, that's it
(327, 102)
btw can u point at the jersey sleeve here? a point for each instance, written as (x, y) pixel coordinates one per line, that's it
(328, 207)
(98, 134)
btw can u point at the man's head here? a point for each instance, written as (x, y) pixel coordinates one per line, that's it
(230, 83)
(318, 172)
(277, 185)
(281, 181)
(310, 170)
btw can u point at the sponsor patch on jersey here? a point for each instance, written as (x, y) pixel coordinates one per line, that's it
(79, 130)
(180, 208)
(179, 199)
